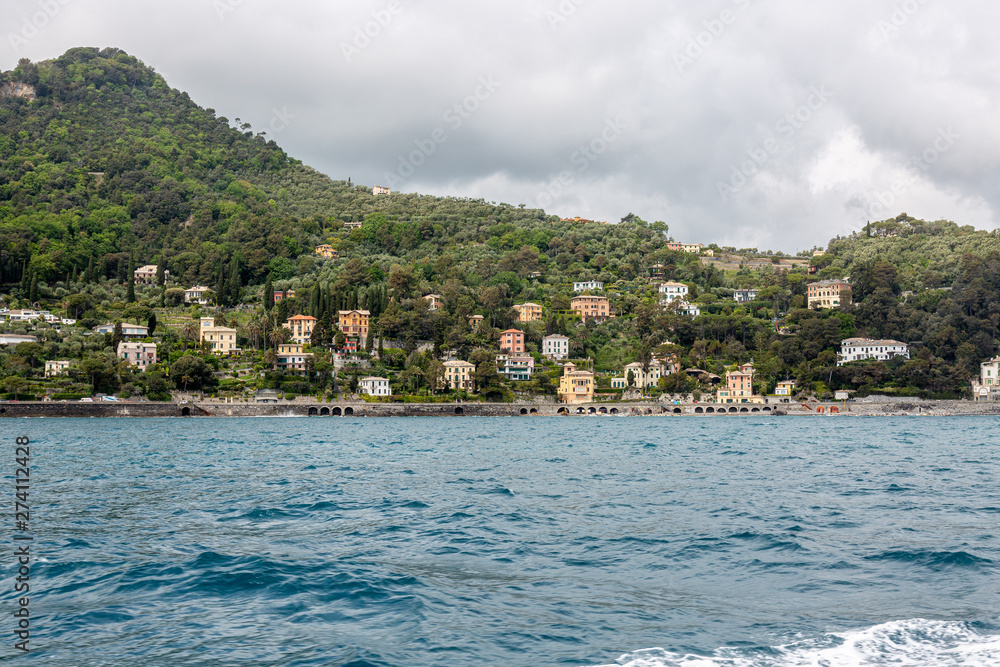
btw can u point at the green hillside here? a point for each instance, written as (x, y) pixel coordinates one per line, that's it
(104, 167)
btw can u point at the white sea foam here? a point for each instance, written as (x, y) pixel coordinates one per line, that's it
(912, 643)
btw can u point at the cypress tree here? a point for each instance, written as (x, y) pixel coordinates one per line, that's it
(268, 294)
(163, 296)
(90, 270)
(220, 290)
(33, 289)
(151, 323)
(161, 274)
(130, 297)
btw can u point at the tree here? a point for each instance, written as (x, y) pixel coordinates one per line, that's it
(117, 337)
(130, 296)
(151, 323)
(192, 371)
(268, 294)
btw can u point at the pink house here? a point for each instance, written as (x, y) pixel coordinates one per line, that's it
(512, 341)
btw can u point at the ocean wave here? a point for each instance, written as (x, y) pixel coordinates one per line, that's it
(910, 643)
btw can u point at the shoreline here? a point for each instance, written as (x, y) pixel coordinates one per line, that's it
(362, 409)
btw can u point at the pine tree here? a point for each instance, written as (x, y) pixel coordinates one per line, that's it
(268, 294)
(130, 297)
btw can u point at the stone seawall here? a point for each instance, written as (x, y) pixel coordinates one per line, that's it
(362, 409)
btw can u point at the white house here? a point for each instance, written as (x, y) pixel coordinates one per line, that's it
(196, 294)
(672, 291)
(640, 378)
(745, 295)
(987, 387)
(374, 386)
(592, 285)
(857, 349)
(555, 347)
(142, 355)
(688, 308)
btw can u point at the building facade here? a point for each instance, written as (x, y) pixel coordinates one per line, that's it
(528, 312)
(379, 190)
(292, 358)
(987, 387)
(458, 375)
(739, 387)
(56, 367)
(745, 295)
(196, 294)
(354, 323)
(591, 307)
(220, 340)
(433, 301)
(829, 294)
(301, 327)
(592, 285)
(785, 388)
(859, 349)
(141, 355)
(643, 379)
(512, 342)
(373, 386)
(146, 275)
(576, 386)
(130, 331)
(672, 291)
(326, 251)
(555, 347)
(517, 367)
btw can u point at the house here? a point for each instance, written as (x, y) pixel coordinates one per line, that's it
(576, 386)
(373, 386)
(267, 396)
(196, 294)
(858, 349)
(142, 355)
(512, 341)
(785, 388)
(591, 307)
(693, 248)
(593, 285)
(518, 367)
(280, 295)
(433, 301)
(354, 323)
(25, 315)
(14, 339)
(380, 190)
(131, 331)
(353, 225)
(458, 375)
(528, 312)
(220, 340)
(687, 308)
(642, 379)
(326, 251)
(745, 295)
(987, 386)
(829, 294)
(656, 271)
(474, 321)
(535, 275)
(673, 245)
(56, 367)
(555, 347)
(671, 291)
(739, 387)
(301, 327)
(292, 358)
(146, 275)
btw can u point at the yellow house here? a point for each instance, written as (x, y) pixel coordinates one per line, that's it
(528, 312)
(221, 340)
(458, 374)
(354, 323)
(591, 307)
(785, 388)
(326, 251)
(576, 386)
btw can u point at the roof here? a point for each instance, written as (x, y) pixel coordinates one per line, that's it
(555, 336)
(374, 379)
(870, 342)
(528, 303)
(672, 284)
(302, 317)
(516, 331)
(824, 283)
(458, 363)
(348, 312)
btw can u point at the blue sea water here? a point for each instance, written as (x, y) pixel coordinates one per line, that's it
(646, 542)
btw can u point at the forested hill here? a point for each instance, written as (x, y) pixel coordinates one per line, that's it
(102, 163)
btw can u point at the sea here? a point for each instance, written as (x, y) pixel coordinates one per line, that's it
(580, 541)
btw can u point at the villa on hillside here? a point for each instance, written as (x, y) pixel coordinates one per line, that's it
(220, 340)
(858, 349)
(528, 312)
(739, 387)
(987, 386)
(555, 347)
(576, 386)
(829, 294)
(141, 355)
(593, 285)
(196, 294)
(301, 327)
(591, 307)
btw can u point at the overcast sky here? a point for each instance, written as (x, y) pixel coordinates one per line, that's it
(769, 123)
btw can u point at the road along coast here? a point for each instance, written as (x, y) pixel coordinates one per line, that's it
(362, 409)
